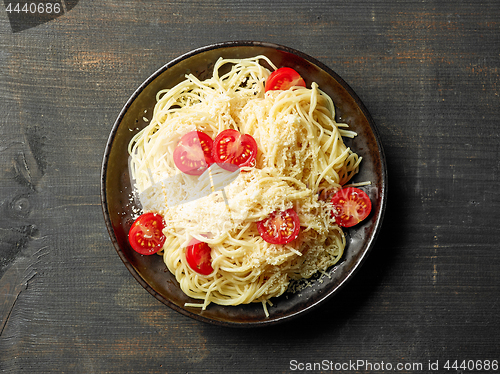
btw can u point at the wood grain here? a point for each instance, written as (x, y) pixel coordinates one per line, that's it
(427, 72)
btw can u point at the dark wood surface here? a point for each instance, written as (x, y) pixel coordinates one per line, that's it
(427, 71)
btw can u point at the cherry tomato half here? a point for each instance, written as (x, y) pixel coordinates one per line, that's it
(193, 154)
(145, 235)
(199, 258)
(283, 79)
(280, 227)
(232, 149)
(350, 206)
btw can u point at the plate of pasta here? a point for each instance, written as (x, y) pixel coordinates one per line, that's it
(243, 184)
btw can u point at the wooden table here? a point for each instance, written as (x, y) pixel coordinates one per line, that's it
(427, 296)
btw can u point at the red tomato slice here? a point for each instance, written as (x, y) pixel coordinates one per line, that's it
(145, 235)
(283, 79)
(280, 227)
(199, 258)
(350, 206)
(193, 154)
(232, 149)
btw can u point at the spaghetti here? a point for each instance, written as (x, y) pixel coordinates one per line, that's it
(301, 155)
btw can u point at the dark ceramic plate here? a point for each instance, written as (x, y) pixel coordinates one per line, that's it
(116, 191)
